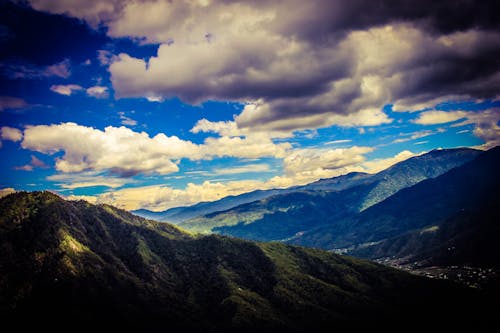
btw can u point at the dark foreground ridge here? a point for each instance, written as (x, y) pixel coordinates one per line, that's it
(69, 265)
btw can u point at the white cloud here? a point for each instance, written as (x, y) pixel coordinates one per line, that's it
(252, 146)
(164, 197)
(378, 165)
(439, 117)
(66, 90)
(485, 123)
(305, 165)
(11, 134)
(98, 92)
(120, 150)
(126, 120)
(126, 152)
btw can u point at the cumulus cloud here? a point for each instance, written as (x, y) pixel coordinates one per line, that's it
(98, 92)
(310, 164)
(66, 90)
(302, 64)
(11, 134)
(124, 152)
(8, 102)
(339, 68)
(120, 150)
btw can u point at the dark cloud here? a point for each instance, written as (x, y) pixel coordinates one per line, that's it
(304, 63)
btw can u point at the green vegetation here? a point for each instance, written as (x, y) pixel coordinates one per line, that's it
(86, 264)
(471, 188)
(328, 202)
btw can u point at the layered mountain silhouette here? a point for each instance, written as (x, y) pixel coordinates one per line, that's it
(327, 202)
(178, 214)
(471, 188)
(450, 220)
(70, 264)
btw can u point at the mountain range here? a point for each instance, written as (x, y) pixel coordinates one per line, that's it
(288, 215)
(178, 214)
(73, 264)
(467, 188)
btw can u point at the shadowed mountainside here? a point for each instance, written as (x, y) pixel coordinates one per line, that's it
(84, 264)
(457, 209)
(288, 215)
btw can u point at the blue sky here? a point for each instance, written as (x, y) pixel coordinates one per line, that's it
(156, 104)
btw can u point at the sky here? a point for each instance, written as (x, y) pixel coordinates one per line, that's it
(156, 104)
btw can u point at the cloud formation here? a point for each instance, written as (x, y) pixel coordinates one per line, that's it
(10, 134)
(163, 197)
(66, 90)
(124, 152)
(439, 117)
(485, 122)
(311, 164)
(87, 179)
(28, 71)
(98, 92)
(34, 163)
(8, 102)
(302, 64)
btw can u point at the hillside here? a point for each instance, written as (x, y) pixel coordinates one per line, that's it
(459, 200)
(85, 264)
(469, 237)
(179, 214)
(287, 215)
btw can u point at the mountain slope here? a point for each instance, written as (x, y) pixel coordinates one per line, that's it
(426, 204)
(467, 238)
(283, 216)
(88, 265)
(178, 214)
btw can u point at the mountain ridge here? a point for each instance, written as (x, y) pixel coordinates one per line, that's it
(292, 212)
(426, 204)
(87, 264)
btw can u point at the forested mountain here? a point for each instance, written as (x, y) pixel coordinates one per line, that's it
(74, 263)
(456, 205)
(326, 202)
